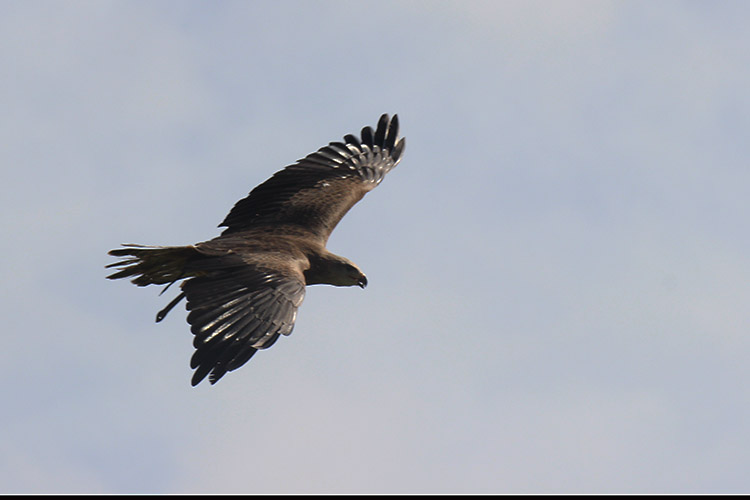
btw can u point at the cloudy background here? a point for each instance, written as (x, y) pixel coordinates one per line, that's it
(559, 273)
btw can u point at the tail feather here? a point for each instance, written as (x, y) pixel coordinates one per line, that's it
(152, 265)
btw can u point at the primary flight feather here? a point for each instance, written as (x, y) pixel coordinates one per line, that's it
(243, 288)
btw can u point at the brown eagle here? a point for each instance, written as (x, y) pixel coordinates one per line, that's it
(243, 287)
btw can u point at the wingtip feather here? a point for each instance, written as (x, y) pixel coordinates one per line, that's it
(381, 130)
(367, 136)
(392, 135)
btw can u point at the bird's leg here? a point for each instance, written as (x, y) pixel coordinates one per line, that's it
(160, 316)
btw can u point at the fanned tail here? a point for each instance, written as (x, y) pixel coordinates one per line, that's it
(152, 265)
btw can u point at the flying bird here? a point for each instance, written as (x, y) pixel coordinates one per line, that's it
(243, 288)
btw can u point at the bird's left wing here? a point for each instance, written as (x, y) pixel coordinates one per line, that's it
(234, 310)
(318, 190)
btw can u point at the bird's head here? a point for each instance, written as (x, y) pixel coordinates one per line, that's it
(352, 275)
(335, 270)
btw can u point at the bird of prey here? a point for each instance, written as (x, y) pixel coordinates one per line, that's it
(243, 288)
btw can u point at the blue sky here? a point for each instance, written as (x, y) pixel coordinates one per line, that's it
(558, 267)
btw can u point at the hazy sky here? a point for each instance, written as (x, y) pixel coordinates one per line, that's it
(559, 273)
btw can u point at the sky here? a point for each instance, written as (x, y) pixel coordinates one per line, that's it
(558, 268)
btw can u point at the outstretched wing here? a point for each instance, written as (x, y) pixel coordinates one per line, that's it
(318, 190)
(236, 309)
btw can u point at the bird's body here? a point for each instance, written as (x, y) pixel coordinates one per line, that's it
(243, 288)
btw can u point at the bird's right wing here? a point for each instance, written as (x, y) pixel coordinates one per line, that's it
(318, 190)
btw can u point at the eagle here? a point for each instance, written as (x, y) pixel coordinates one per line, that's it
(243, 288)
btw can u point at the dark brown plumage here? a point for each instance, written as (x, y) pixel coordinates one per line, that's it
(243, 288)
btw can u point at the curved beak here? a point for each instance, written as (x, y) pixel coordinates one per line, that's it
(362, 281)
